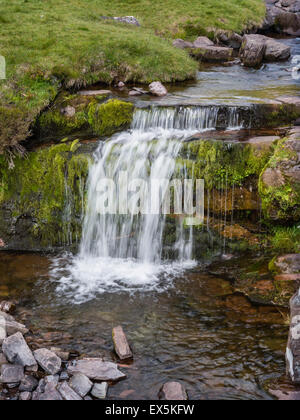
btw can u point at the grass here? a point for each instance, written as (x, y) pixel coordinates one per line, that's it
(286, 239)
(53, 43)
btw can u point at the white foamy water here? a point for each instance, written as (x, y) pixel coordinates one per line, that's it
(125, 252)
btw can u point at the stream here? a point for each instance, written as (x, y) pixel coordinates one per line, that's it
(173, 311)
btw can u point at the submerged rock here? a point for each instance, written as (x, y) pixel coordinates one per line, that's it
(121, 344)
(97, 370)
(173, 391)
(48, 361)
(16, 350)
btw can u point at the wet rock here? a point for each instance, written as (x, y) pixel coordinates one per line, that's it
(134, 93)
(16, 350)
(293, 346)
(276, 51)
(180, 43)
(273, 178)
(12, 327)
(173, 391)
(121, 345)
(283, 16)
(158, 89)
(7, 307)
(287, 264)
(28, 384)
(252, 50)
(64, 355)
(94, 92)
(81, 384)
(68, 393)
(68, 111)
(11, 374)
(25, 396)
(99, 391)
(230, 39)
(3, 333)
(48, 361)
(97, 370)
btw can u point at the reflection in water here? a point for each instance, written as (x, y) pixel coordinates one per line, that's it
(185, 333)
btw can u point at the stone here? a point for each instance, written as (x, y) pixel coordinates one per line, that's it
(11, 374)
(94, 92)
(276, 51)
(25, 396)
(68, 111)
(64, 376)
(64, 355)
(130, 20)
(3, 332)
(51, 380)
(288, 277)
(3, 360)
(12, 327)
(68, 393)
(253, 50)
(134, 93)
(293, 346)
(121, 344)
(8, 307)
(88, 398)
(158, 89)
(28, 384)
(173, 391)
(180, 43)
(283, 17)
(17, 351)
(230, 39)
(97, 370)
(81, 384)
(273, 178)
(100, 391)
(50, 394)
(202, 41)
(212, 54)
(48, 361)
(287, 264)
(121, 85)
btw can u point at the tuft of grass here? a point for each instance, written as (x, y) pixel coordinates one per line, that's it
(65, 43)
(286, 239)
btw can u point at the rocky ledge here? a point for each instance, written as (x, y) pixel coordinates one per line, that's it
(283, 16)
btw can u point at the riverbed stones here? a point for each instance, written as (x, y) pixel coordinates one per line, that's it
(12, 327)
(63, 355)
(173, 391)
(81, 384)
(68, 393)
(17, 351)
(99, 391)
(121, 345)
(97, 370)
(48, 361)
(157, 89)
(11, 374)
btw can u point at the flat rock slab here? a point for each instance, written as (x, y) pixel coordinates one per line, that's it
(68, 393)
(97, 370)
(17, 351)
(81, 384)
(121, 344)
(48, 361)
(173, 391)
(100, 391)
(11, 374)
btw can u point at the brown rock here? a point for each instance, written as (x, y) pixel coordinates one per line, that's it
(121, 344)
(8, 307)
(212, 54)
(273, 178)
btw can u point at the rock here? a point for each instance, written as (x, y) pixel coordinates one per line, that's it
(173, 391)
(64, 376)
(3, 333)
(252, 50)
(203, 41)
(121, 85)
(25, 396)
(131, 20)
(51, 380)
(293, 346)
(276, 51)
(50, 394)
(3, 360)
(288, 277)
(289, 100)
(100, 390)
(11, 374)
(287, 264)
(273, 178)
(64, 355)
(67, 393)
(158, 89)
(94, 92)
(12, 327)
(28, 384)
(134, 93)
(97, 370)
(180, 43)
(81, 384)
(8, 307)
(121, 344)
(88, 398)
(230, 39)
(2, 243)
(48, 361)
(17, 351)
(68, 111)
(213, 54)
(283, 17)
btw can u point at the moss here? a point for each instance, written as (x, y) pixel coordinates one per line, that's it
(48, 187)
(283, 114)
(113, 115)
(54, 123)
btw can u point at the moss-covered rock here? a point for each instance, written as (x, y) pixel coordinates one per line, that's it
(42, 197)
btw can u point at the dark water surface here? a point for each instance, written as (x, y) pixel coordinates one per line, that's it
(185, 333)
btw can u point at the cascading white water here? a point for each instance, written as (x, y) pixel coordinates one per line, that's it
(119, 251)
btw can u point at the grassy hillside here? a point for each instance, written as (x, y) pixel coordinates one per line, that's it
(53, 43)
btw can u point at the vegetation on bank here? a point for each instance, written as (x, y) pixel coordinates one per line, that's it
(66, 44)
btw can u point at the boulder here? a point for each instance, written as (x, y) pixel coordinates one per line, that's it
(287, 264)
(68, 393)
(283, 17)
(276, 51)
(48, 361)
(25, 396)
(293, 346)
(173, 391)
(68, 111)
(28, 384)
(212, 54)
(157, 89)
(252, 50)
(17, 351)
(50, 394)
(11, 374)
(97, 370)
(203, 41)
(81, 384)
(180, 43)
(12, 327)
(230, 39)
(99, 391)
(121, 344)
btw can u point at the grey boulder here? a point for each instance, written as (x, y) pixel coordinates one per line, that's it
(17, 351)
(48, 361)
(97, 370)
(11, 374)
(81, 384)
(68, 393)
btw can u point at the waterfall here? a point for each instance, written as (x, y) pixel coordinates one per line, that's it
(125, 251)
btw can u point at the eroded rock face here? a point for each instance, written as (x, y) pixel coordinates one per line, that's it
(96, 369)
